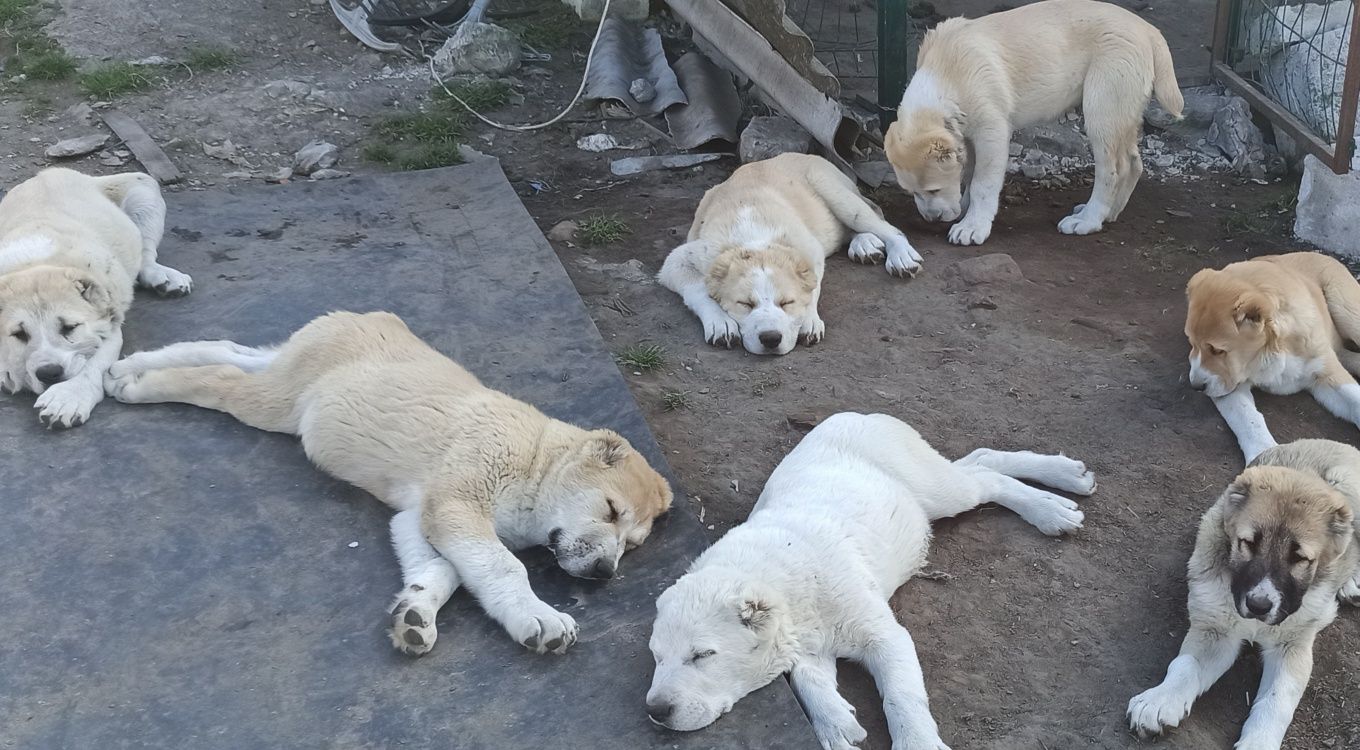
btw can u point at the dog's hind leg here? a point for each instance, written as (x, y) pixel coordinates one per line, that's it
(428, 581)
(262, 400)
(1205, 655)
(139, 196)
(1058, 472)
(1130, 172)
(890, 656)
(1052, 514)
(196, 354)
(1113, 100)
(864, 218)
(1342, 294)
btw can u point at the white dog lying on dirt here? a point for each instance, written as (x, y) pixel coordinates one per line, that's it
(843, 522)
(70, 249)
(471, 472)
(752, 266)
(978, 80)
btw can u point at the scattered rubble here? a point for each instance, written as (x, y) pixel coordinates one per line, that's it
(79, 146)
(772, 135)
(226, 151)
(315, 156)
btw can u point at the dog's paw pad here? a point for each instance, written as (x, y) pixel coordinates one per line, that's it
(1078, 224)
(1154, 711)
(812, 333)
(413, 630)
(550, 630)
(969, 233)
(67, 404)
(866, 248)
(166, 281)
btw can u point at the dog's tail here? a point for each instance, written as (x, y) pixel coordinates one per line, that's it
(1164, 77)
(139, 196)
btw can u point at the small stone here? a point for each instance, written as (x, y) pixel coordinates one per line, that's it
(771, 135)
(981, 302)
(597, 142)
(563, 231)
(111, 161)
(327, 174)
(238, 175)
(642, 90)
(285, 89)
(69, 147)
(1164, 160)
(79, 111)
(994, 268)
(314, 156)
(282, 175)
(152, 61)
(352, 545)
(1016, 149)
(479, 48)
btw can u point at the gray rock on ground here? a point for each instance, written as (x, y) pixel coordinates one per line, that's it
(771, 135)
(315, 156)
(480, 48)
(1234, 133)
(79, 146)
(993, 268)
(1329, 209)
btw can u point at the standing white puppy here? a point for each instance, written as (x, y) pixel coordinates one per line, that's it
(71, 247)
(978, 80)
(843, 522)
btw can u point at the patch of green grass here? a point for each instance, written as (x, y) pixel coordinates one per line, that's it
(422, 127)
(642, 357)
(601, 229)
(204, 59)
(429, 156)
(548, 30)
(49, 65)
(480, 95)
(380, 153)
(113, 79)
(12, 11)
(673, 399)
(420, 140)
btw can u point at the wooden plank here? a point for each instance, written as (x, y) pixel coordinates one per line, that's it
(1350, 99)
(153, 159)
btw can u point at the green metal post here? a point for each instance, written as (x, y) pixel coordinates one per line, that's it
(896, 57)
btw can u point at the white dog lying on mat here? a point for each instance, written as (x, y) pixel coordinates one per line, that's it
(843, 522)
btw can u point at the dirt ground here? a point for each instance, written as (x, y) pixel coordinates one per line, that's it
(1027, 642)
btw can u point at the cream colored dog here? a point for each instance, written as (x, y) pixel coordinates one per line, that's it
(1281, 323)
(752, 266)
(978, 80)
(71, 247)
(1273, 557)
(471, 473)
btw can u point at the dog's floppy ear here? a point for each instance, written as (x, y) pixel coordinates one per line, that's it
(606, 449)
(1253, 309)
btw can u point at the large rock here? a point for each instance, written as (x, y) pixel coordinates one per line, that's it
(994, 268)
(1329, 209)
(1234, 133)
(85, 144)
(480, 48)
(772, 135)
(315, 156)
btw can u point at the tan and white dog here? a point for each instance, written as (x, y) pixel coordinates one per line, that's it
(842, 523)
(71, 247)
(1281, 323)
(752, 266)
(1273, 557)
(471, 472)
(979, 80)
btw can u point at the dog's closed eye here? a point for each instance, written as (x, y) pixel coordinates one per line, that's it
(68, 328)
(21, 335)
(699, 656)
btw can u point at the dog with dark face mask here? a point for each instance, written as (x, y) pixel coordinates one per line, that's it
(1273, 557)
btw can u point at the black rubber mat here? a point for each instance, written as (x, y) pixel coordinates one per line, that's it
(170, 578)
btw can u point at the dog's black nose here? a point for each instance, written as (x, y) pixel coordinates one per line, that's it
(1199, 386)
(554, 537)
(1258, 604)
(603, 569)
(660, 712)
(771, 339)
(49, 374)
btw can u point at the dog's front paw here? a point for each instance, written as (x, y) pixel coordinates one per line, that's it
(903, 260)
(812, 330)
(1056, 516)
(722, 331)
(1350, 592)
(1156, 710)
(866, 248)
(122, 385)
(541, 628)
(970, 232)
(413, 629)
(165, 281)
(1080, 223)
(67, 404)
(837, 728)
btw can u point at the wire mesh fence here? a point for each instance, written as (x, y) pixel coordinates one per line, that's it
(1301, 58)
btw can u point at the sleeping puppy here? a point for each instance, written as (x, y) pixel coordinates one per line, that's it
(1272, 558)
(1281, 323)
(71, 247)
(979, 80)
(752, 266)
(842, 523)
(470, 472)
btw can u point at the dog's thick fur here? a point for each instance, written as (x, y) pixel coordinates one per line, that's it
(976, 81)
(471, 472)
(843, 522)
(71, 247)
(1272, 558)
(1281, 323)
(752, 266)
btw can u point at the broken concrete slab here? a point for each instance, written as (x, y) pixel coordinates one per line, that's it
(771, 135)
(1329, 209)
(639, 164)
(78, 146)
(479, 48)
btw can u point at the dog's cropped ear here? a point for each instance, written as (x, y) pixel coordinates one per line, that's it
(92, 291)
(1238, 492)
(807, 276)
(945, 151)
(1342, 523)
(1199, 278)
(606, 449)
(1253, 309)
(954, 123)
(755, 613)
